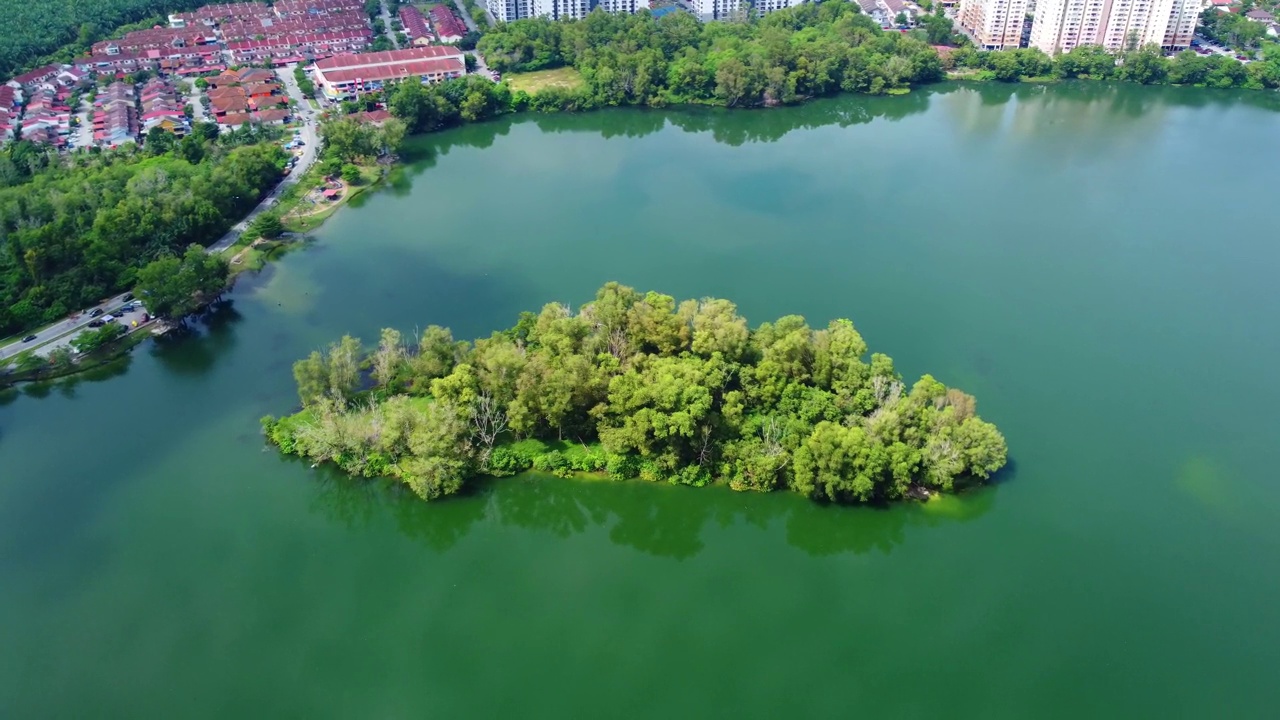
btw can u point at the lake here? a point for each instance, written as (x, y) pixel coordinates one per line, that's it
(1095, 263)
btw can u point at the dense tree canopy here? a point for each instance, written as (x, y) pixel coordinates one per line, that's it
(1147, 66)
(75, 228)
(173, 287)
(35, 29)
(810, 50)
(639, 385)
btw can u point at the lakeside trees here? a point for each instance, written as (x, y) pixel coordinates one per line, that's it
(75, 228)
(174, 287)
(640, 386)
(811, 50)
(1146, 66)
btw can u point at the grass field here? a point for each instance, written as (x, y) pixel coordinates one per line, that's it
(532, 82)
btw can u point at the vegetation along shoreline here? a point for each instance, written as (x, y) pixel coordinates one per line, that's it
(636, 385)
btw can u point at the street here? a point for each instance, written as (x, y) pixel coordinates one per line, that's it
(466, 17)
(310, 140)
(62, 332)
(386, 25)
(197, 107)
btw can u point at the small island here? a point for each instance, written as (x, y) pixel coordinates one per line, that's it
(637, 385)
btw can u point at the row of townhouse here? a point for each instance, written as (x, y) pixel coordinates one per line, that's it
(246, 95)
(300, 48)
(448, 27)
(115, 115)
(10, 112)
(35, 104)
(345, 77)
(265, 28)
(157, 38)
(162, 107)
(174, 61)
(415, 25)
(301, 8)
(46, 117)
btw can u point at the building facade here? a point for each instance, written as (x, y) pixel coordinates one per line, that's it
(995, 24)
(624, 6)
(345, 77)
(716, 9)
(1117, 25)
(767, 6)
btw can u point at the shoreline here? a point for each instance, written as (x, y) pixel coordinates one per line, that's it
(254, 255)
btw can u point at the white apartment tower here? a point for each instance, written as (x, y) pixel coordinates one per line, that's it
(624, 6)
(995, 24)
(716, 9)
(1116, 25)
(509, 10)
(767, 6)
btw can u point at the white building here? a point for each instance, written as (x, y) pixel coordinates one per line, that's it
(630, 7)
(768, 6)
(508, 10)
(715, 9)
(1116, 25)
(996, 24)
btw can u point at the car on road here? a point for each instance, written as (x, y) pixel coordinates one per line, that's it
(127, 297)
(29, 338)
(96, 312)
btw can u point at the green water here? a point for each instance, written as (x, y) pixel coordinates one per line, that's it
(1097, 265)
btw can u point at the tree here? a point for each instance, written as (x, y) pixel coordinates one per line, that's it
(174, 287)
(389, 360)
(91, 339)
(267, 225)
(351, 174)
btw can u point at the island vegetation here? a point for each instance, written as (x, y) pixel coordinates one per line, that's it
(636, 385)
(77, 227)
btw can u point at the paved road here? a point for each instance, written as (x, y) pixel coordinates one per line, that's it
(386, 25)
(84, 133)
(127, 319)
(466, 17)
(197, 107)
(61, 333)
(310, 140)
(59, 330)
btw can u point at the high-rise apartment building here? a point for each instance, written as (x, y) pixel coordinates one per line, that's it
(508, 10)
(1116, 25)
(995, 24)
(767, 6)
(716, 9)
(624, 6)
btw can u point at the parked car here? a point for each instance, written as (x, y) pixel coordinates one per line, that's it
(96, 312)
(96, 323)
(125, 308)
(108, 318)
(29, 338)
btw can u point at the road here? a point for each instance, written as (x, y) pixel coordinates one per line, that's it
(62, 332)
(466, 17)
(310, 141)
(197, 106)
(84, 133)
(386, 25)
(63, 329)
(126, 319)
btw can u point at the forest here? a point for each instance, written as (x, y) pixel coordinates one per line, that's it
(36, 28)
(811, 50)
(636, 385)
(76, 228)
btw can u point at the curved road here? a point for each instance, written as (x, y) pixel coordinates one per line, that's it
(63, 331)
